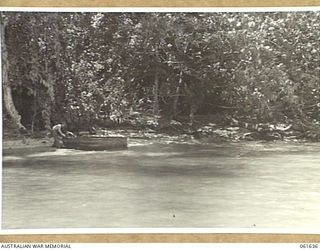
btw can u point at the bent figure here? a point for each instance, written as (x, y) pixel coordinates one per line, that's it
(58, 135)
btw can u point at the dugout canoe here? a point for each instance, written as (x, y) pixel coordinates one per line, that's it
(96, 143)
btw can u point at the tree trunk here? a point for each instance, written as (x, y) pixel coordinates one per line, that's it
(156, 94)
(194, 102)
(34, 114)
(59, 90)
(177, 95)
(156, 86)
(46, 115)
(193, 109)
(7, 91)
(48, 102)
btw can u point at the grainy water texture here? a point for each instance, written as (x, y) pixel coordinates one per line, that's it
(164, 184)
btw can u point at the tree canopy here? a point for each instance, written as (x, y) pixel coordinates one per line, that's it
(117, 68)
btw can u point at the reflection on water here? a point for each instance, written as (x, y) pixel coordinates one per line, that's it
(157, 184)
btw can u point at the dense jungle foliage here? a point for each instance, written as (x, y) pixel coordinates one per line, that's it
(142, 69)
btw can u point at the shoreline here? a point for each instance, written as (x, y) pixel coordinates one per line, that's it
(9, 143)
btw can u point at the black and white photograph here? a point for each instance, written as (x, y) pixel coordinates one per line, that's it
(161, 120)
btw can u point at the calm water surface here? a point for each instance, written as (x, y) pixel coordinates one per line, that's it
(164, 184)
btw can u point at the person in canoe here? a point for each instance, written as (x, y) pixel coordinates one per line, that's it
(58, 134)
